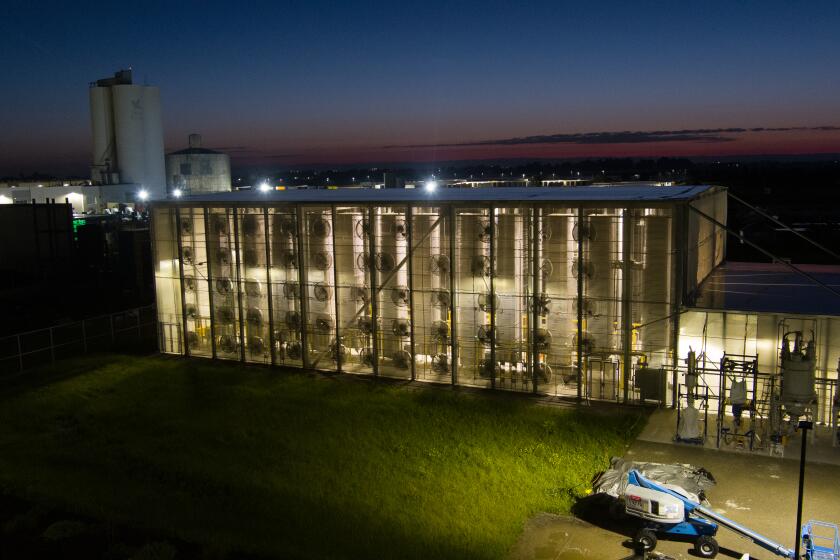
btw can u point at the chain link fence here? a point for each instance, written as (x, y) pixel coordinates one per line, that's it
(133, 330)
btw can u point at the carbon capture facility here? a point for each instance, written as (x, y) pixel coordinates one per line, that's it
(567, 291)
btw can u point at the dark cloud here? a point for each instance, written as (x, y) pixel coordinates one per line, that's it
(706, 135)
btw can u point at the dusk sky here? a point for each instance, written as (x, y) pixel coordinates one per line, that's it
(322, 82)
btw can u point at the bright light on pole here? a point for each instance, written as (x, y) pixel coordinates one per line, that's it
(265, 187)
(431, 186)
(143, 195)
(177, 193)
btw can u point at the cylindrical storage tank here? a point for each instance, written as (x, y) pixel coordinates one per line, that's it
(154, 174)
(798, 371)
(102, 126)
(130, 131)
(651, 243)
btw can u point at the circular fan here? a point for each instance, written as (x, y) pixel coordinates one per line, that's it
(220, 224)
(487, 369)
(484, 231)
(366, 356)
(440, 363)
(361, 294)
(544, 231)
(192, 340)
(192, 312)
(385, 262)
(400, 229)
(543, 372)
(251, 225)
(362, 229)
(401, 359)
(400, 296)
(322, 260)
(293, 320)
(224, 286)
(365, 325)
(440, 331)
(189, 283)
(287, 258)
(546, 269)
(485, 334)
(319, 228)
(542, 304)
(186, 225)
(223, 256)
(253, 288)
(254, 316)
(225, 315)
(485, 304)
(441, 298)
(587, 266)
(585, 229)
(187, 254)
(322, 292)
(401, 328)
(256, 345)
(363, 261)
(324, 323)
(227, 344)
(286, 225)
(439, 264)
(252, 256)
(481, 265)
(542, 339)
(291, 290)
(294, 351)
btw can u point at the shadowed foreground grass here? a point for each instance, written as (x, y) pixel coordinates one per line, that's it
(292, 465)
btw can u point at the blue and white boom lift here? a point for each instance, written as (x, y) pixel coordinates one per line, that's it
(669, 510)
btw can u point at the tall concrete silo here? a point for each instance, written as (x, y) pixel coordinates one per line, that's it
(127, 135)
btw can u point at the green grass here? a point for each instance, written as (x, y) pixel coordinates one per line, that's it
(276, 463)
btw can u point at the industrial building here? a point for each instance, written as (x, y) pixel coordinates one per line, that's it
(597, 292)
(196, 170)
(564, 291)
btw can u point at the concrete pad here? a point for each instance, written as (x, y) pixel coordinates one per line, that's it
(756, 491)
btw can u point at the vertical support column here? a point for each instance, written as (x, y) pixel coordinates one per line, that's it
(626, 303)
(580, 304)
(210, 281)
(303, 288)
(409, 234)
(269, 291)
(336, 292)
(679, 233)
(178, 241)
(453, 316)
(238, 285)
(492, 297)
(534, 270)
(374, 289)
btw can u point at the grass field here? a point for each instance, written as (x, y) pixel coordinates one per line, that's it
(292, 465)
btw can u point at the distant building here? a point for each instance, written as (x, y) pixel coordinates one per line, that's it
(127, 139)
(197, 170)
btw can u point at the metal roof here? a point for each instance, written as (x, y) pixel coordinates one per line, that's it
(578, 194)
(770, 288)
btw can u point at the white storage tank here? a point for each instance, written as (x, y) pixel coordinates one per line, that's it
(798, 362)
(197, 170)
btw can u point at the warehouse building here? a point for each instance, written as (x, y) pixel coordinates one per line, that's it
(563, 291)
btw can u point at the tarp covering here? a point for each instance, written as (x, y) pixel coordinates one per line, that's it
(695, 480)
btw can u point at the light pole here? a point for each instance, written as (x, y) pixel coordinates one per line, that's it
(804, 425)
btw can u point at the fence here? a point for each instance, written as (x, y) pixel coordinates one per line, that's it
(130, 330)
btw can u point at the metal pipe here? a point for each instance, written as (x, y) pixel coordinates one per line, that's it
(409, 233)
(785, 226)
(268, 294)
(238, 284)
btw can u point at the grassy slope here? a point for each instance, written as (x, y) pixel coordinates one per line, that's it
(296, 465)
